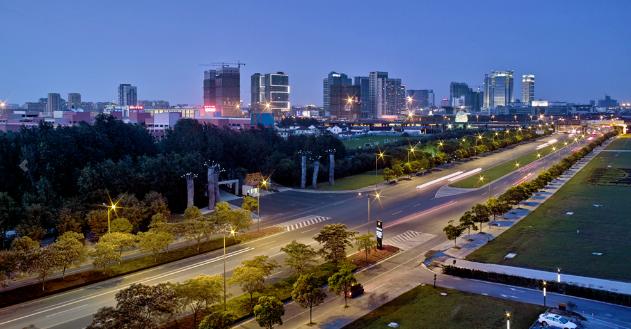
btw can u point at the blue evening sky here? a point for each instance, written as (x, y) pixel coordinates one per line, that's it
(579, 50)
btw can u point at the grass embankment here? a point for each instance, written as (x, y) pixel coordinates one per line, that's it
(353, 182)
(424, 307)
(30, 292)
(551, 238)
(502, 169)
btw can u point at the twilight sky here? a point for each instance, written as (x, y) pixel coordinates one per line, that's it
(579, 50)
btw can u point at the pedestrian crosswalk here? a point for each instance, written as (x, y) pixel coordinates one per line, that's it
(408, 239)
(301, 222)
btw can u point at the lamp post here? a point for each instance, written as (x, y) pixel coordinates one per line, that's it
(558, 275)
(507, 320)
(232, 233)
(482, 184)
(544, 294)
(378, 156)
(376, 196)
(258, 201)
(111, 207)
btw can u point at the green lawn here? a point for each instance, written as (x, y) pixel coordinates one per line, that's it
(548, 238)
(375, 140)
(622, 143)
(502, 169)
(424, 307)
(353, 182)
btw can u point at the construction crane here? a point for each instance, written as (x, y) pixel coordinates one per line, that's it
(224, 64)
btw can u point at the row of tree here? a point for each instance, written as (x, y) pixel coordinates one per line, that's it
(141, 306)
(456, 148)
(474, 218)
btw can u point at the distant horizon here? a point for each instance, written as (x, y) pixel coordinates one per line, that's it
(577, 52)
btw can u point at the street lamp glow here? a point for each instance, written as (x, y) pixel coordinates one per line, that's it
(507, 320)
(517, 164)
(558, 275)
(538, 155)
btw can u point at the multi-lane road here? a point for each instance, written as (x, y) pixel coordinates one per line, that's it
(411, 217)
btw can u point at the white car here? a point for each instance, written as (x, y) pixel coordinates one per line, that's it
(555, 320)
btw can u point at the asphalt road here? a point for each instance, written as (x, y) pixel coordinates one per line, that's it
(402, 207)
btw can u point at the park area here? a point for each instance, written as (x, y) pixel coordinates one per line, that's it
(504, 168)
(425, 307)
(370, 141)
(353, 182)
(583, 229)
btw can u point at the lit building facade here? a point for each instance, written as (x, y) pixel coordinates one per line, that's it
(498, 89)
(527, 88)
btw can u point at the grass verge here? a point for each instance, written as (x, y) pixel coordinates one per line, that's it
(582, 229)
(502, 169)
(425, 307)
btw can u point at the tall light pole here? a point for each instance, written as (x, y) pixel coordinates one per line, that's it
(258, 201)
(378, 156)
(377, 196)
(482, 184)
(558, 275)
(232, 233)
(544, 294)
(111, 207)
(507, 320)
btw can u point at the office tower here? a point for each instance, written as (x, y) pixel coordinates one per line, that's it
(222, 91)
(53, 104)
(395, 97)
(74, 101)
(460, 95)
(498, 89)
(363, 85)
(377, 93)
(270, 93)
(477, 99)
(527, 88)
(341, 97)
(127, 95)
(419, 98)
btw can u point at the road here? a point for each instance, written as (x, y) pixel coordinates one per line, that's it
(408, 213)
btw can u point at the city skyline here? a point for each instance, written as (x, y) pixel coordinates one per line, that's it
(164, 61)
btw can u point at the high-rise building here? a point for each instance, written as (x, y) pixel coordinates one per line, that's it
(341, 97)
(222, 91)
(74, 101)
(363, 84)
(395, 97)
(53, 104)
(498, 89)
(460, 95)
(527, 88)
(127, 95)
(419, 98)
(270, 93)
(377, 93)
(477, 99)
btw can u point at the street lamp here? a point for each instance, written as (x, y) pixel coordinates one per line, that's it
(544, 294)
(517, 164)
(378, 156)
(558, 275)
(507, 320)
(410, 150)
(111, 207)
(232, 233)
(377, 196)
(263, 183)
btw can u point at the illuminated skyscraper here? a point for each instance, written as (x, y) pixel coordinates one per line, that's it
(498, 89)
(527, 88)
(341, 97)
(270, 93)
(127, 95)
(222, 91)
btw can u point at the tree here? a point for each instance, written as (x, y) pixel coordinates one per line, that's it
(307, 293)
(121, 224)
(250, 279)
(198, 229)
(388, 174)
(365, 242)
(342, 281)
(266, 264)
(238, 219)
(97, 220)
(199, 293)
(69, 250)
(105, 255)
(131, 208)
(119, 240)
(335, 238)
(25, 250)
(300, 257)
(497, 207)
(481, 214)
(217, 320)
(8, 264)
(467, 220)
(192, 213)
(397, 169)
(45, 262)
(69, 220)
(269, 311)
(137, 307)
(154, 242)
(8, 212)
(250, 203)
(154, 203)
(453, 232)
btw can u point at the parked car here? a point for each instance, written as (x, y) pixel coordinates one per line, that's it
(356, 290)
(555, 320)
